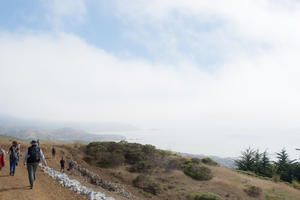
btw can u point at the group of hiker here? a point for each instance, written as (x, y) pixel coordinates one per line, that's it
(31, 160)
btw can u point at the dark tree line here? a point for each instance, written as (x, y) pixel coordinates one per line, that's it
(261, 164)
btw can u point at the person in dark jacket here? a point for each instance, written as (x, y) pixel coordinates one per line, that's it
(13, 158)
(62, 164)
(53, 152)
(32, 158)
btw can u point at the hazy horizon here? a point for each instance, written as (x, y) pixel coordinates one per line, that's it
(214, 77)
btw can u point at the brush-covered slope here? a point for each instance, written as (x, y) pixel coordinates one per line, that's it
(159, 174)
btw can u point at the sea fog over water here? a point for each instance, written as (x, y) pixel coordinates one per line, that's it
(205, 144)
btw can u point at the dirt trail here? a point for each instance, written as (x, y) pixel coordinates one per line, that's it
(45, 188)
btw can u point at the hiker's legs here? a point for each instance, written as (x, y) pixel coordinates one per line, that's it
(17, 160)
(35, 165)
(30, 173)
(12, 165)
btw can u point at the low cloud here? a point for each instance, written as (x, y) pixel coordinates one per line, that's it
(61, 77)
(223, 71)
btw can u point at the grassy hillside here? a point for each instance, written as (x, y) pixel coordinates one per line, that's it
(159, 174)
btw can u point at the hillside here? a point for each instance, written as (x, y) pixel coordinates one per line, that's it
(58, 135)
(224, 162)
(143, 173)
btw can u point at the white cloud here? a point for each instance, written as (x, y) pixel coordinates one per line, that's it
(226, 27)
(252, 93)
(62, 12)
(61, 77)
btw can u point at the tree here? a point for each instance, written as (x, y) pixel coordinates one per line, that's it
(257, 166)
(246, 161)
(284, 166)
(266, 165)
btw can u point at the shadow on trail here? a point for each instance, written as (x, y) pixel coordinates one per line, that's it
(14, 188)
(4, 175)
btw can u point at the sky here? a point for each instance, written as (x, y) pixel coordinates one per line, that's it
(207, 77)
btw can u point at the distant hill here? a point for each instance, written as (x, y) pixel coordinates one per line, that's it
(8, 121)
(62, 131)
(58, 135)
(224, 162)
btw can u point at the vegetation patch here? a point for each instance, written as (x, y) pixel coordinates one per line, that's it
(146, 194)
(179, 191)
(141, 167)
(207, 196)
(144, 159)
(146, 184)
(209, 161)
(112, 154)
(197, 172)
(296, 184)
(253, 191)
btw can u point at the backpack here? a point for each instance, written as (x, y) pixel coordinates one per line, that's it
(13, 151)
(34, 155)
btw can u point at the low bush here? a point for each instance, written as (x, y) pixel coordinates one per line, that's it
(107, 159)
(146, 194)
(173, 163)
(208, 196)
(296, 184)
(196, 160)
(146, 184)
(253, 191)
(197, 172)
(142, 166)
(209, 161)
(276, 178)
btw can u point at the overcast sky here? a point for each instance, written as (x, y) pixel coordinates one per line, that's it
(213, 76)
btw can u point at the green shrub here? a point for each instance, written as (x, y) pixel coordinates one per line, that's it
(197, 172)
(253, 191)
(209, 161)
(196, 160)
(142, 166)
(296, 184)
(208, 196)
(110, 159)
(146, 194)
(173, 164)
(179, 191)
(146, 184)
(276, 178)
(89, 159)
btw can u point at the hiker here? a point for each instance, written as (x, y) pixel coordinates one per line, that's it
(32, 158)
(2, 158)
(13, 158)
(71, 166)
(62, 164)
(53, 152)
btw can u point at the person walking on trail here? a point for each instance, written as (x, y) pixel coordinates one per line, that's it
(62, 164)
(2, 158)
(53, 152)
(13, 158)
(32, 157)
(71, 166)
